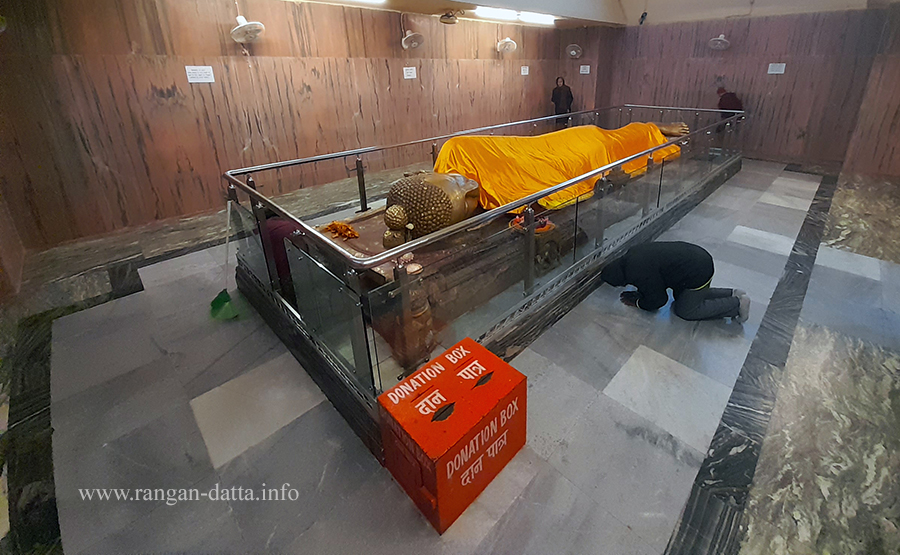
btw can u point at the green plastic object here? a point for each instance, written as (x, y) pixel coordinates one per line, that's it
(221, 307)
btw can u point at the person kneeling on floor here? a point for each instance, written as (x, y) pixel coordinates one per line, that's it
(684, 268)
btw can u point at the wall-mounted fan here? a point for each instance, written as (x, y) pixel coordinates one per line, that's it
(719, 43)
(450, 17)
(412, 40)
(574, 51)
(507, 45)
(246, 31)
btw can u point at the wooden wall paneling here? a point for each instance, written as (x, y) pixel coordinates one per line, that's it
(805, 115)
(38, 155)
(875, 146)
(110, 134)
(12, 254)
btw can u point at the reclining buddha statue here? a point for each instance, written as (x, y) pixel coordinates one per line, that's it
(487, 172)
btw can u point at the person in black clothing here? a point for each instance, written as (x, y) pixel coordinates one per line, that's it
(684, 268)
(729, 101)
(562, 98)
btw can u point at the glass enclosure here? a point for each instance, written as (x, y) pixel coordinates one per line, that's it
(380, 313)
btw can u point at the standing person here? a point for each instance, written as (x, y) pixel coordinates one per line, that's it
(562, 99)
(684, 268)
(729, 101)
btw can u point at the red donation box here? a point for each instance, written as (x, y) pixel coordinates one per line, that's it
(449, 428)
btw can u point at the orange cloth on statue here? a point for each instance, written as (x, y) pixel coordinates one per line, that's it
(510, 168)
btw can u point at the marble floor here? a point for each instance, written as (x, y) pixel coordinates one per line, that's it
(148, 392)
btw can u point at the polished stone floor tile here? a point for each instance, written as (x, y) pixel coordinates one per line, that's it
(246, 410)
(672, 396)
(200, 526)
(849, 262)
(763, 240)
(319, 456)
(380, 509)
(733, 198)
(78, 364)
(167, 271)
(714, 348)
(707, 221)
(762, 167)
(556, 399)
(763, 261)
(554, 516)
(639, 473)
(785, 201)
(890, 286)
(774, 219)
(596, 338)
(117, 407)
(166, 453)
(250, 352)
(796, 187)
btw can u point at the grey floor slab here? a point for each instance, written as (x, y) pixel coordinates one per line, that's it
(672, 396)
(764, 240)
(758, 260)
(78, 364)
(117, 407)
(762, 167)
(249, 408)
(554, 516)
(167, 271)
(596, 338)
(166, 453)
(556, 399)
(849, 262)
(631, 468)
(380, 519)
(890, 286)
(774, 219)
(318, 456)
(200, 526)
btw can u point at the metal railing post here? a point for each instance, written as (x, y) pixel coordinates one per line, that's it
(361, 181)
(662, 168)
(529, 251)
(645, 194)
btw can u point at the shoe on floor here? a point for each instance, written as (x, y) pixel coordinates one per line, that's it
(743, 309)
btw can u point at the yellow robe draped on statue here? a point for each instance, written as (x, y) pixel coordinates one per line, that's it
(510, 168)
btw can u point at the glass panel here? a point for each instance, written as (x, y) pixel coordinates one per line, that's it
(246, 236)
(332, 314)
(449, 299)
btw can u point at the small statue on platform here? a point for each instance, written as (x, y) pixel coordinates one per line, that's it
(426, 202)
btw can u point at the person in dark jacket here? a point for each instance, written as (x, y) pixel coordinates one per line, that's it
(684, 268)
(562, 99)
(729, 101)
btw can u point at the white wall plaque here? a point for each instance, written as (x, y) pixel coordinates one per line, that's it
(524, 70)
(776, 69)
(200, 74)
(409, 73)
(585, 70)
